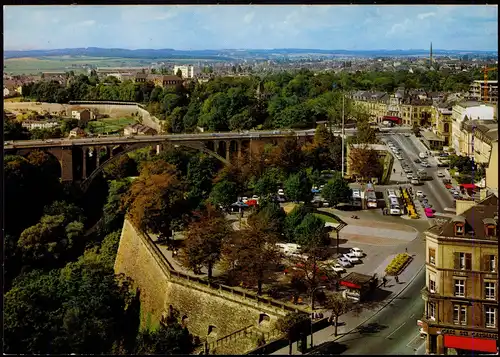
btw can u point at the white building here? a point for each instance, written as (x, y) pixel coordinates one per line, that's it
(473, 111)
(42, 124)
(187, 71)
(476, 91)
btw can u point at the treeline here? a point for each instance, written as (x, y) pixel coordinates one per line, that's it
(61, 292)
(288, 99)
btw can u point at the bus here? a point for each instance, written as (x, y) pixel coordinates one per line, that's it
(393, 205)
(370, 196)
(356, 198)
(371, 199)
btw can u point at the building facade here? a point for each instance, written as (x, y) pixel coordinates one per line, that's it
(441, 122)
(467, 111)
(187, 71)
(477, 91)
(461, 292)
(374, 103)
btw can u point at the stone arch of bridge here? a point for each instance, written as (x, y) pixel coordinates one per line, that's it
(197, 146)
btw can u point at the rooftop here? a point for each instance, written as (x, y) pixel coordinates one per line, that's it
(473, 218)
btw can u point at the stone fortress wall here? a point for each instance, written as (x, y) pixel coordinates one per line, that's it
(113, 109)
(210, 311)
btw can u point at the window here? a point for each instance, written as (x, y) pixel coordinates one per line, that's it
(460, 314)
(459, 287)
(432, 256)
(491, 314)
(489, 290)
(463, 261)
(490, 231)
(432, 285)
(431, 310)
(459, 229)
(492, 263)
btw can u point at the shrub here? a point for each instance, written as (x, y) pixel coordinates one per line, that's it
(397, 263)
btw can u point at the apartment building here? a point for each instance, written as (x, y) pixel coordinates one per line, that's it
(468, 110)
(187, 71)
(461, 292)
(441, 121)
(477, 91)
(374, 103)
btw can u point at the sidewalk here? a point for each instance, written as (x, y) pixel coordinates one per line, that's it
(351, 321)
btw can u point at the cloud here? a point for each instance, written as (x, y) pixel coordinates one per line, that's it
(165, 15)
(86, 23)
(426, 15)
(398, 28)
(249, 17)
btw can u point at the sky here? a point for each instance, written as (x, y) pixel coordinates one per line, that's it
(196, 27)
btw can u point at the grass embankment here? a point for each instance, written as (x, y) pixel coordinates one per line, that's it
(110, 125)
(398, 264)
(326, 218)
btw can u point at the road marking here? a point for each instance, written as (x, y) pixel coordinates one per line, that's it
(412, 340)
(412, 315)
(393, 332)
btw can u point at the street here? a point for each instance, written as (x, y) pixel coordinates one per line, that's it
(434, 189)
(392, 331)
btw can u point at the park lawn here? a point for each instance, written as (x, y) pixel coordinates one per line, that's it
(325, 218)
(288, 207)
(111, 125)
(13, 99)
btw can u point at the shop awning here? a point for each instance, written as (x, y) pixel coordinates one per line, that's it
(470, 343)
(468, 186)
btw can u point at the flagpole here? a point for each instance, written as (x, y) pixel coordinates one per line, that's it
(342, 132)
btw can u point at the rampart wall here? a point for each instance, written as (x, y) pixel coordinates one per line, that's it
(202, 305)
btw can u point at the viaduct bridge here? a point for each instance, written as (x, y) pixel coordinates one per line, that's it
(82, 159)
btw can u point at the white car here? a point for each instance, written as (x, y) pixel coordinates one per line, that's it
(351, 258)
(356, 252)
(255, 197)
(244, 199)
(420, 194)
(337, 268)
(281, 192)
(344, 262)
(407, 135)
(415, 182)
(440, 175)
(409, 176)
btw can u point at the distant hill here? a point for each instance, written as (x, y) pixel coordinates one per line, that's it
(227, 54)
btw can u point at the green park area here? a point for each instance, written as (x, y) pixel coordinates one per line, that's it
(111, 125)
(326, 218)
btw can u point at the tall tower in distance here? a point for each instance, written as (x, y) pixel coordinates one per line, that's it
(430, 59)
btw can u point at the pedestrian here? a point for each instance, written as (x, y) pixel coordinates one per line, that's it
(394, 170)
(384, 281)
(406, 250)
(397, 279)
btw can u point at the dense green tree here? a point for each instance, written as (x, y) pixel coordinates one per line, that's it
(200, 173)
(14, 131)
(293, 326)
(311, 231)
(293, 220)
(121, 168)
(270, 215)
(172, 339)
(267, 184)
(336, 191)
(223, 194)
(298, 187)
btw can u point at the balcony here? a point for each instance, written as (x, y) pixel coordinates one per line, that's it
(426, 293)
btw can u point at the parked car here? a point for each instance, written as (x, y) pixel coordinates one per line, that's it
(407, 170)
(344, 262)
(337, 268)
(440, 175)
(356, 252)
(351, 258)
(409, 176)
(420, 194)
(417, 161)
(407, 135)
(428, 212)
(281, 192)
(415, 182)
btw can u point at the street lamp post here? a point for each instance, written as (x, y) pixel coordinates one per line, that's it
(312, 309)
(343, 133)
